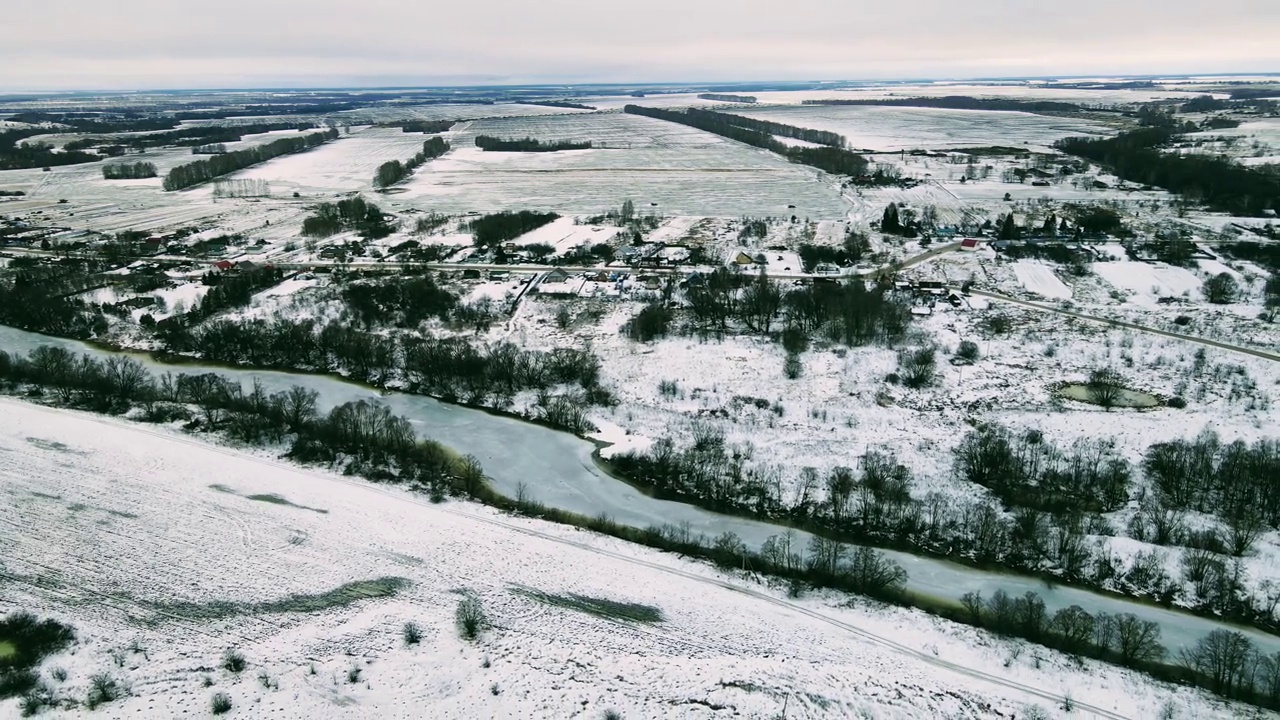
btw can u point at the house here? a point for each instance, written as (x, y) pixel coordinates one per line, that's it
(555, 276)
(224, 265)
(470, 274)
(743, 259)
(969, 244)
(246, 266)
(826, 269)
(498, 274)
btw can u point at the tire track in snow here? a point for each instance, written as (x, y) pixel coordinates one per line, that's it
(851, 629)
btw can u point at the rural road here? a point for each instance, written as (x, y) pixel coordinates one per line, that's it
(474, 513)
(1264, 354)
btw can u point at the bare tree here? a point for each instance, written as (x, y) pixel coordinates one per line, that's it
(1105, 387)
(1225, 658)
(1137, 640)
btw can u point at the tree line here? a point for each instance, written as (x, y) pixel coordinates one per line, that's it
(201, 171)
(818, 137)
(722, 97)
(496, 228)
(1138, 156)
(422, 126)
(360, 437)
(557, 104)
(40, 298)
(128, 171)
(834, 160)
(962, 102)
(489, 143)
(391, 172)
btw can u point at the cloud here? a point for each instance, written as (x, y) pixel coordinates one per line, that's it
(57, 44)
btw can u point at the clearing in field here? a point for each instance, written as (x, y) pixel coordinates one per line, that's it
(1148, 282)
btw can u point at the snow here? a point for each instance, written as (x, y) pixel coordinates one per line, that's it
(128, 532)
(564, 234)
(1147, 282)
(1039, 279)
(288, 287)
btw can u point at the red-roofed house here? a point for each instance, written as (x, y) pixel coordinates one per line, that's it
(222, 265)
(969, 244)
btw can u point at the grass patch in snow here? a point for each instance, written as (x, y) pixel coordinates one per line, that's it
(600, 607)
(271, 498)
(7, 648)
(278, 500)
(339, 597)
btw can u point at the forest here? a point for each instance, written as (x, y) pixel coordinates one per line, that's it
(496, 228)
(830, 159)
(1221, 184)
(128, 171)
(190, 136)
(201, 171)
(489, 143)
(16, 155)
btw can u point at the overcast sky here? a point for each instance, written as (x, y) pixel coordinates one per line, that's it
(130, 44)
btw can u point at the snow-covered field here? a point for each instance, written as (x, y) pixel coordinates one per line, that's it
(1148, 282)
(894, 128)
(344, 165)
(662, 167)
(165, 552)
(1039, 279)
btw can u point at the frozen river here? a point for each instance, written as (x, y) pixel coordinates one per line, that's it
(557, 469)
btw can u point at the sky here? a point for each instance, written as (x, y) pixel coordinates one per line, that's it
(177, 44)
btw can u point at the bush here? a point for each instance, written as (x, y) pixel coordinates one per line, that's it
(1177, 402)
(233, 661)
(1221, 289)
(917, 367)
(791, 367)
(471, 619)
(353, 675)
(794, 340)
(1105, 387)
(412, 633)
(651, 322)
(102, 689)
(968, 350)
(220, 704)
(611, 715)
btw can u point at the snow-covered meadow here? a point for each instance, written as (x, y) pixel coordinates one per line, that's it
(166, 552)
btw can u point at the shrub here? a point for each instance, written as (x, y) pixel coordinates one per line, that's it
(1177, 402)
(968, 350)
(220, 704)
(794, 340)
(917, 367)
(791, 367)
(471, 619)
(412, 633)
(611, 715)
(1221, 289)
(233, 661)
(102, 689)
(651, 322)
(353, 675)
(669, 388)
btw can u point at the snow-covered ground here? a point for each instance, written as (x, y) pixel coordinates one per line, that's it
(1039, 279)
(165, 552)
